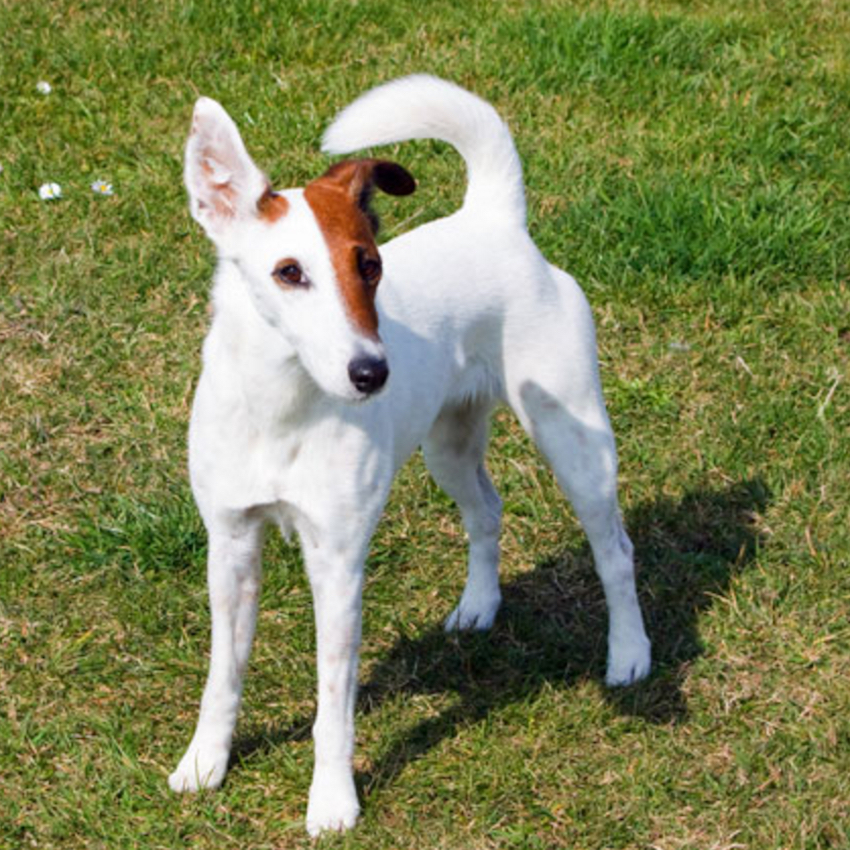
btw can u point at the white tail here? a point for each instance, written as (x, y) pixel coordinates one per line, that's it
(426, 107)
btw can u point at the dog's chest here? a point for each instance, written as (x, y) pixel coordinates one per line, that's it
(287, 466)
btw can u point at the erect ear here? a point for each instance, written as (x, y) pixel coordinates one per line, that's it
(360, 177)
(224, 184)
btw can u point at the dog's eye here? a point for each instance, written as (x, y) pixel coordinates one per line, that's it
(370, 270)
(289, 273)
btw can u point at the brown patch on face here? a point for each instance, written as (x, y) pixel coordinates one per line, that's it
(271, 206)
(335, 199)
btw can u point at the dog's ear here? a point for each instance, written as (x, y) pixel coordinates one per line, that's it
(223, 182)
(390, 177)
(360, 177)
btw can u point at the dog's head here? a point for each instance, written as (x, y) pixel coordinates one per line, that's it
(308, 255)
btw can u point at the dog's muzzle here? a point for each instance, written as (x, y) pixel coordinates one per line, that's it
(368, 374)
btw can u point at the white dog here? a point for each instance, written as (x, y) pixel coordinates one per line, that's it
(317, 387)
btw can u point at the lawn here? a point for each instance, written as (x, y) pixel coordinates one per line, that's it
(689, 163)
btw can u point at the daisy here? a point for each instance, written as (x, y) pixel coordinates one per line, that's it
(50, 191)
(101, 187)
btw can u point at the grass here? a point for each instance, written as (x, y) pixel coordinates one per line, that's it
(688, 162)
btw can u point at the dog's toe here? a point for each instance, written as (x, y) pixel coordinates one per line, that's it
(628, 663)
(333, 805)
(199, 769)
(473, 613)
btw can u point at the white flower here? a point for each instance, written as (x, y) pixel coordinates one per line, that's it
(50, 191)
(43, 87)
(101, 187)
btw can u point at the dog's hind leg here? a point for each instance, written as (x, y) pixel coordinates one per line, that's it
(454, 453)
(568, 422)
(233, 572)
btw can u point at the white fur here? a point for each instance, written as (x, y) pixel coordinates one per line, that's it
(471, 314)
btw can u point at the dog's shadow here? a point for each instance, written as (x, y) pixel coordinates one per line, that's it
(551, 629)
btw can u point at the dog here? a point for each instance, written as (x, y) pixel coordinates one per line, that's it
(317, 385)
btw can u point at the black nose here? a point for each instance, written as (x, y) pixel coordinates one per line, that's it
(368, 374)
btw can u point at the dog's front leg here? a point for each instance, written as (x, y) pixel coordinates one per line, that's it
(233, 573)
(336, 578)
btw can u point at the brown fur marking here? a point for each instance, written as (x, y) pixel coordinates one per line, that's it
(271, 206)
(334, 198)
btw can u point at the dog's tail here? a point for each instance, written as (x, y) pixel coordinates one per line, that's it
(425, 107)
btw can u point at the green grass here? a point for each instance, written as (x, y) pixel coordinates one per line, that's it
(689, 162)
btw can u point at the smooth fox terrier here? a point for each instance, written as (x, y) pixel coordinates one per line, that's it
(317, 386)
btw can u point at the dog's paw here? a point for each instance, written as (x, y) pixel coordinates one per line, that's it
(199, 768)
(333, 804)
(628, 661)
(474, 612)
